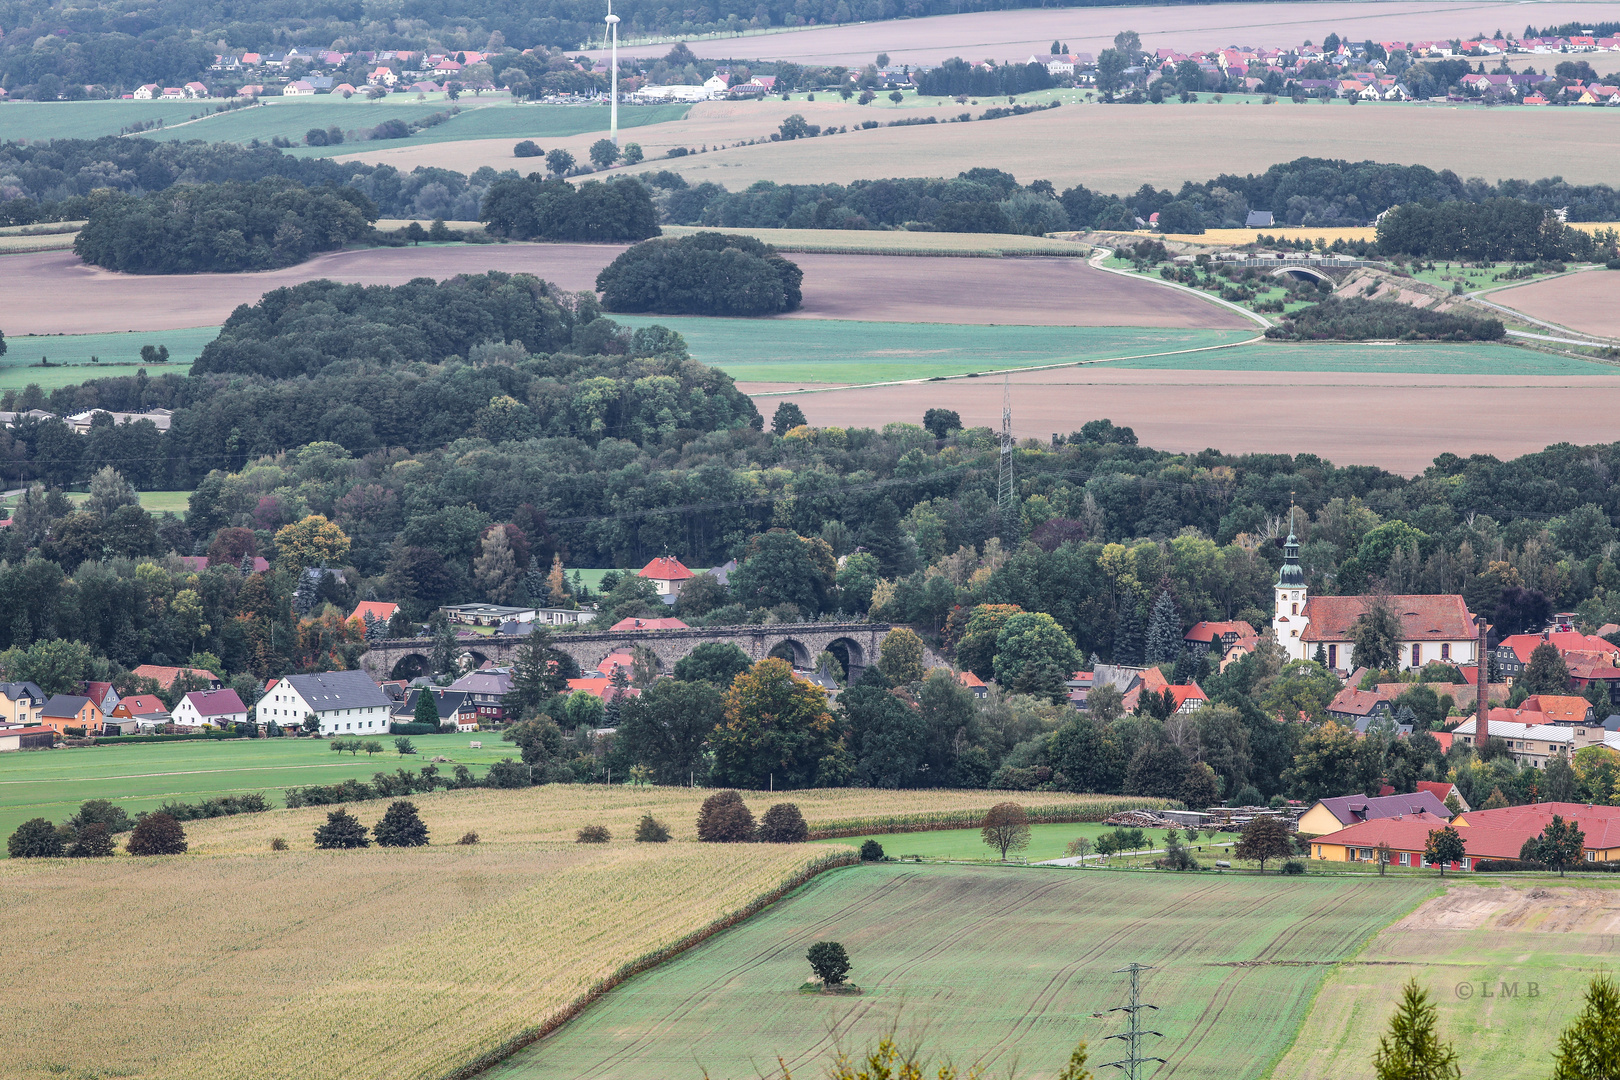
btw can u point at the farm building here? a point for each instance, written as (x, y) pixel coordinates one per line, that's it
(26, 738)
(342, 702)
(1331, 815)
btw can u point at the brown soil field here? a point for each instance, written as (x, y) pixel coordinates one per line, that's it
(1123, 145)
(1016, 34)
(55, 293)
(1588, 302)
(1401, 424)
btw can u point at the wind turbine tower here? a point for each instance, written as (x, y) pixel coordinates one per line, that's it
(613, 29)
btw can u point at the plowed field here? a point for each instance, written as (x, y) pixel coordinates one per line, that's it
(1588, 302)
(993, 964)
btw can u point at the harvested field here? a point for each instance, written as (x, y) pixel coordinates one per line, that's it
(55, 293)
(986, 964)
(1506, 965)
(1399, 422)
(1014, 35)
(1587, 302)
(886, 242)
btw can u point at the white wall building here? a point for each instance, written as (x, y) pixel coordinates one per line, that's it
(345, 703)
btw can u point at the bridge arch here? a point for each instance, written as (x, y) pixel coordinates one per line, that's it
(792, 650)
(1302, 273)
(849, 652)
(409, 666)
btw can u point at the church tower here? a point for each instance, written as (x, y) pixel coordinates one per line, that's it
(1288, 619)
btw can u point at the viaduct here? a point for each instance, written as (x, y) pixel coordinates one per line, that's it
(858, 642)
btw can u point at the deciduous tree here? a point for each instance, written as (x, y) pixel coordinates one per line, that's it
(1444, 847)
(157, 834)
(725, 819)
(776, 726)
(1262, 839)
(1006, 828)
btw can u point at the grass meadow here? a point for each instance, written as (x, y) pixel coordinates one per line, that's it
(116, 354)
(157, 502)
(1045, 842)
(991, 964)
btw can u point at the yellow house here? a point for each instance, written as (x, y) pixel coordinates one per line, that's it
(21, 703)
(1331, 815)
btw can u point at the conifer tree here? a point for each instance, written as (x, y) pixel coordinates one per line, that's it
(1163, 644)
(1589, 1049)
(1412, 1050)
(427, 709)
(1128, 637)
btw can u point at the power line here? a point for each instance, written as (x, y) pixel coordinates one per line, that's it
(1133, 1061)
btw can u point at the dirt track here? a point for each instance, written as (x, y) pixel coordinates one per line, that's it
(1014, 35)
(1588, 302)
(54, 293)
(1402, 423)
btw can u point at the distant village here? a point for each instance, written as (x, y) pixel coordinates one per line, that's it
(1335, 68)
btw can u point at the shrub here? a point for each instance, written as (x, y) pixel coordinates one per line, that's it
(707, 273)
(401, 826)
(871, 851)
(35, 838)
(527, 148)
(468, 838)
(1293, 866)
(509, 773)
(649, 830)
(94, 841)
(278, 844)
(829, 961)
(342, 830)
(593, 834)
(723, 819)
(783, 824)
(157, 834)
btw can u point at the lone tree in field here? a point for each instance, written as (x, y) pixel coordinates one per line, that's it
(1264, 838)
(1560, 844)
(1445, 847)
(724, 819)
(649, 830)
(157, 834)
(783, 824)
(1589, 1049)
(401, 826)
(829, 961)
(342, 830)
(1006, 828)
(1412, 1050)
(35, 838)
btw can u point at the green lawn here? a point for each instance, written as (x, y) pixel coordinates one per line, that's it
(157, 502)
(847, 351)
(36, 121)
(143, 776)
(116, 354)
(993, 964)
(1045, 842)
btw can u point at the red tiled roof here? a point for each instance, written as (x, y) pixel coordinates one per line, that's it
(1410, 832)
(619, 659)
(1209, 631)
(1184, 693)
(165, 676)
(1440, 789)
(1558, 708)
(142, 705)
(216, 702)
(970, 680)
(1423, 618)
(1601, 824)
(649, 624)
(666, 568)
(602, 688)
(377, 609)
(1356, 702)
(1443, 738)
(1563, 640)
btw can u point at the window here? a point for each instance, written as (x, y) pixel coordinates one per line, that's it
(1406, 858)
(1591, 856)
(1468, 864)
(1295, 610)
(1333, 656)
(1445, 650)
(1417, 655)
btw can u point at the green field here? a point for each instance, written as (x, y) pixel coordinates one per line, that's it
(143, 776)
(158, 502)
(847, 351)
(991, 964)
(1045, 842)
(116, 354)
(1351, 357)
(34, 120)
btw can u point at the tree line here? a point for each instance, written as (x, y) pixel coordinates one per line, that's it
(1359, 319)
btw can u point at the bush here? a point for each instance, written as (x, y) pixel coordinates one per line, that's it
(871, 851)
(829, 961)
(401, 826)
(342, 830)
(391, 129)
(724, 819)
(193, 228)
(222, 806)
(649, 830)
(468, 838)
(1612, 264)
(1360, 319)
(593, 834)
(278, 844)
(1293, 866)
(707, 273)
(94, 841)
(35, 838)
(157, 834)
(527, 148)
(509, 773)
(783, 824)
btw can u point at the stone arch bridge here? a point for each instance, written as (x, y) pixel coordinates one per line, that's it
(858, 641)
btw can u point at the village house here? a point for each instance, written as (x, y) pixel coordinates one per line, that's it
(209, 708)
(667, 575)
(165, 676)
(1486, 834)
(1330, 815)
(1530, 742)
(378, 610)
(1359, 708)
(1206, 638)
(488, 687)
(342, 702)
(146, 710)
(103, 694)
(455, 707)
(70, 711)
(22, 704)
(26, 738)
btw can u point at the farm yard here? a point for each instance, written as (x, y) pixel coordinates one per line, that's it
(988, 964)
(1496, 942)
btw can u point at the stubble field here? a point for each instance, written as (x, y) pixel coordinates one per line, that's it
(988, 964)
(1587, 302)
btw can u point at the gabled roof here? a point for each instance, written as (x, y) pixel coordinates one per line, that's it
(64, 706)
(1185, 693)
(1353, 808)
(143, 705)
(1210, 631)
(1411, 833)
(1353, 702)
(377, 609)
(338, 690)
(1562, 640)
(1601, 824)
(165, 676)
(216, 702)
(496, 681)
(972, 681)
(16, 690)
(1442, 789)
(1423, 618)
(665, 568)
(1558, 708)
(447, 701)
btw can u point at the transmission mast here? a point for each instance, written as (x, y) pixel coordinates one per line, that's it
(1132, 1035)
(1004, 480)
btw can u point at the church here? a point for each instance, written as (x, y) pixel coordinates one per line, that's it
(1433, 628)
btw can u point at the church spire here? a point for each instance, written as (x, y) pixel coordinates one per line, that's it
(1291, 576)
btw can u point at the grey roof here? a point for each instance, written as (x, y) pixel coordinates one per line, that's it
(722, 573)
(1351, 809)
(447, 701)
(65, 705)
(1120, 676)
(1259, 219)
(339, 690)
(496, 681)
(15, 690)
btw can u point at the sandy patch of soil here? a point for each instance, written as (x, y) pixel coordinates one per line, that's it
(1399, 422)
(1541, 909)
(55, 293)
(1588, 302)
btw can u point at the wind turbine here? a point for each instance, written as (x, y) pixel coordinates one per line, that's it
(613, 122)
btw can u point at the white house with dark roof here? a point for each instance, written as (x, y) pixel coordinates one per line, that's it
(203, 708)
(344, 702)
